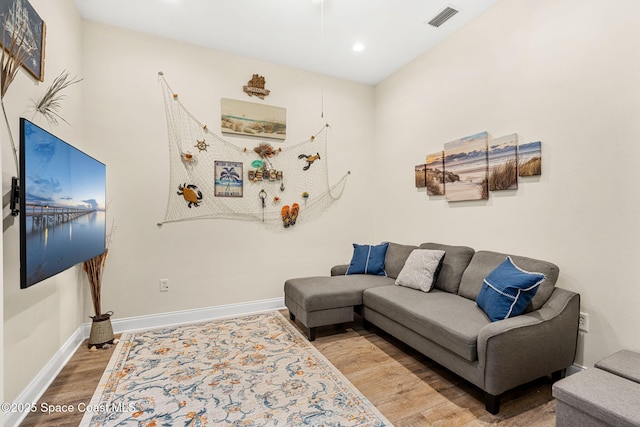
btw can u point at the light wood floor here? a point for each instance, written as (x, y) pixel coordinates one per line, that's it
(408, 388)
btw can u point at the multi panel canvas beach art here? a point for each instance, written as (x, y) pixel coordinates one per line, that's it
(470, 167)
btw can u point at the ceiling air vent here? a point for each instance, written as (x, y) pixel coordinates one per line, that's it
(442, 17)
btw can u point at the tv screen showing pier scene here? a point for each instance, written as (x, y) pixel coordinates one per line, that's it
(62, 205)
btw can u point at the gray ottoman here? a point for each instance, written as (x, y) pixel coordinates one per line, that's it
(606, 395)
(327, 300)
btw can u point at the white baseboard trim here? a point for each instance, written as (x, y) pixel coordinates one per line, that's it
(190, 316)
(574, 369)
(45, 377)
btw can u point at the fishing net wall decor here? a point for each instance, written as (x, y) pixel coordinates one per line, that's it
(211, 177)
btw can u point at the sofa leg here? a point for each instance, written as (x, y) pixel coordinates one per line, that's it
(292, 316)
(311, 333)
(491, 403)
(366, 324)
(357, 309)
(558, 375)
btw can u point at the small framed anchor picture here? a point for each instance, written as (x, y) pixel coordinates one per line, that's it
(23, 35)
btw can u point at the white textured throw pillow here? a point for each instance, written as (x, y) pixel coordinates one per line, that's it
(420, 269)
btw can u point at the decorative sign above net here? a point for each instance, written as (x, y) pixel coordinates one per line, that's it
(255, 86)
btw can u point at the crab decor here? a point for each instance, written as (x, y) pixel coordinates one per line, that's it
(201, 145)
(265, 150)
(310, 158)
(191, 194)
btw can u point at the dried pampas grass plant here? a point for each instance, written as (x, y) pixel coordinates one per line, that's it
(50, 103)
(94, 268)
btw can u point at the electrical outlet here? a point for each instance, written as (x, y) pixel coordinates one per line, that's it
(164, 285)
(583, 322)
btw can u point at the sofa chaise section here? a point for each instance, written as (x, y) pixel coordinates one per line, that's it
(329, 300)
(321, 301)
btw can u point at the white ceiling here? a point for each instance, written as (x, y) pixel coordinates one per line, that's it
(305, 34)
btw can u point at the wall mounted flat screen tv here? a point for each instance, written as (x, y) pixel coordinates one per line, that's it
(62, 205)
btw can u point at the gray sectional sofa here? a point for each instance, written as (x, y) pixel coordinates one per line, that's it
(446, 324)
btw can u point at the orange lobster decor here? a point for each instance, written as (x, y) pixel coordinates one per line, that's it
(310, 158)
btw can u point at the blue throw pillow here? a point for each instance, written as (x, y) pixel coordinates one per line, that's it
(507, 290)
(368, 259)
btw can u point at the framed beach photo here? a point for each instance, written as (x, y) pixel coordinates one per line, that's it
(23, 29)
(228, 179)
(252, 119)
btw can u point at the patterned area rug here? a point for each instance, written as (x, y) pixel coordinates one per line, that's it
(255, 370)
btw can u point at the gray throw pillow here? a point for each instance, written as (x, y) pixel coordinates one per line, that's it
(421, 269)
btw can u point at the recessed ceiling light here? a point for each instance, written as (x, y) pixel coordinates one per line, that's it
(357, 47)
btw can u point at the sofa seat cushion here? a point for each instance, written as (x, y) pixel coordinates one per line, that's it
(444, 318)
(326, 292)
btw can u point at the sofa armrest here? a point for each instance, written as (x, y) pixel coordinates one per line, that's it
(520, 349)
(339, 270)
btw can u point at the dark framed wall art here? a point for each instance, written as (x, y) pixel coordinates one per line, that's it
(21, 22)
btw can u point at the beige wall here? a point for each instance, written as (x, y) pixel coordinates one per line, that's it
(210, 262)
(39, 320)
(562, 72)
